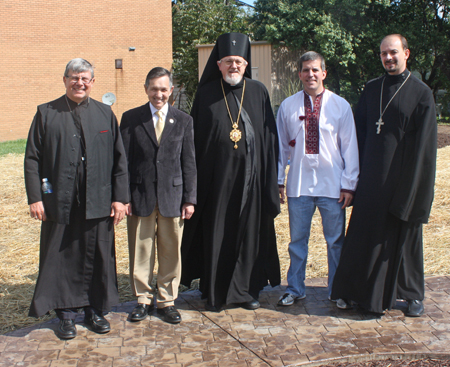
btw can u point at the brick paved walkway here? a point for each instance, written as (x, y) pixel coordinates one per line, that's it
(311, 332)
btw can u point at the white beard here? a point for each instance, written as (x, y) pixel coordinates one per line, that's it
(233, 79)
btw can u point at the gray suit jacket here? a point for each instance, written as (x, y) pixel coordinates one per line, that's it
(167, 172)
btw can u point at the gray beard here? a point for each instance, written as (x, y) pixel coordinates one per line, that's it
(233, 80)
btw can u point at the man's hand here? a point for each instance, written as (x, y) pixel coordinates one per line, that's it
(128, 210)
(187, 210)
(282, 196)
(37, 211)
(346, 198)
(117, 211)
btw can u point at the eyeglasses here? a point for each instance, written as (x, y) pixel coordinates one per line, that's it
(229, 62)
(75, 79)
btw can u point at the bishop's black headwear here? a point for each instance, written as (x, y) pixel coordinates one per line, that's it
(228, 44)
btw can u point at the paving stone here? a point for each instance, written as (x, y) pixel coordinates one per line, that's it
(219, 355)
(51, 344)
(127, 361)
(368, 343)
(232, 364)
(414, 348)
(64, 363)
(80, 343)
(110, 342)
(293, 358)
(396, 339)
(442, 335)
(331, 336)
(366, 333)
(20, 346)
(310, 348)
(158, 358)
(100, 361)
(310, 330)
(105, 352)
(423, 336)
(47, 355)
(195, 357)
(338, 345)
(35, 363)
(441, 346)
(384, 349)
(323, 356)
(75, 353)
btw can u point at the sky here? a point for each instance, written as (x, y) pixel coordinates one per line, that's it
(248, 1)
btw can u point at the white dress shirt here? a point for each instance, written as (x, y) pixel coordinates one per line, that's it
(164, 110)
(336, 166)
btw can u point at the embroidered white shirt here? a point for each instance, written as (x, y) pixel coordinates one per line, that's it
(336, 166)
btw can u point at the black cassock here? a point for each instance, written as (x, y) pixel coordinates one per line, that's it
(382, 257)
(230, 241)
(77, 265)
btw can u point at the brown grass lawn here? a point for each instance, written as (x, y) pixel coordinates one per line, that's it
(19, 242)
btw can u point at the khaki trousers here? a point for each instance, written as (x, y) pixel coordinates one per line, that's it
(141, 243)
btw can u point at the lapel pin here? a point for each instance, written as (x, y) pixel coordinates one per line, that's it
(171, 121)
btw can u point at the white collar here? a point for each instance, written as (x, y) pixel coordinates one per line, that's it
(164, 109)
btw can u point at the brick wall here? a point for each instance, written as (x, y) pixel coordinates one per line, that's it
(39, 37)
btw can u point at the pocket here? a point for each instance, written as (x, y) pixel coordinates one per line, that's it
(177, 181)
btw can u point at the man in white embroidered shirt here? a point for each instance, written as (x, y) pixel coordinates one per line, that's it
(317, 133)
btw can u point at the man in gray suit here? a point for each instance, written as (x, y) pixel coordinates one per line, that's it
(159, 143)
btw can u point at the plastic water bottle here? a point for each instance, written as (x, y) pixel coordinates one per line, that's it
(46, 186)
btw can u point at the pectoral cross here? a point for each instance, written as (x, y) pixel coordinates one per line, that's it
(379, 123)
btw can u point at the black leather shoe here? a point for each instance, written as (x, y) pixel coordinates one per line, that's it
(415, 308)
(170, 314)
(98, 324)
(66, 329)
(250, 305)
(209, 307)
(140, 312)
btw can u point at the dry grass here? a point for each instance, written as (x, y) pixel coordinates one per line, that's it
(19, 242)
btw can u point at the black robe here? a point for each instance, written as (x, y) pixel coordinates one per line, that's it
(77, 264)
(382, 257)
(230, 241)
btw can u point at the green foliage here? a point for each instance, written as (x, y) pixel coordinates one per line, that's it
(196, 22)
(13, 146)
(335, 28)
(348, 33)
(426, 26)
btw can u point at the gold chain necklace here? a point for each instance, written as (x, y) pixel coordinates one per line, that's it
(235, 133)
(380, 120)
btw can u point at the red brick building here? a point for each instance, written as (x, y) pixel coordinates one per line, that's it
(39, 37)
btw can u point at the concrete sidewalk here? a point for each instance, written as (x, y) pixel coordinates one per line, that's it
(311, 332)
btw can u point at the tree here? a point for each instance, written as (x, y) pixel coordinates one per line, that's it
(348, 34)
(198, 22)
(334, 28)
(425, 24)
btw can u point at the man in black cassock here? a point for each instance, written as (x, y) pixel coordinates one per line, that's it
(382, 257)
(230, 242)
(75, 144)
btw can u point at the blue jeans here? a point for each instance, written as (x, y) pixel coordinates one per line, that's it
(301, 210)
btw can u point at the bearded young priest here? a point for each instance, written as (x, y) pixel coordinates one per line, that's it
(382, 257)
(230, 241)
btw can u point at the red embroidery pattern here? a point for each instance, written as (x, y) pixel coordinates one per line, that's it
(312, 124)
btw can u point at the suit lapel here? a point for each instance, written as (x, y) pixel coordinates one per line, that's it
(168, 126)
(147, 122)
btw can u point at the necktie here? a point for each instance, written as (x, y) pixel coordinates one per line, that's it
(159, 126)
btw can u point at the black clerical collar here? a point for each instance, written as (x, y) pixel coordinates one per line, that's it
(73, 104)
(398, 78)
